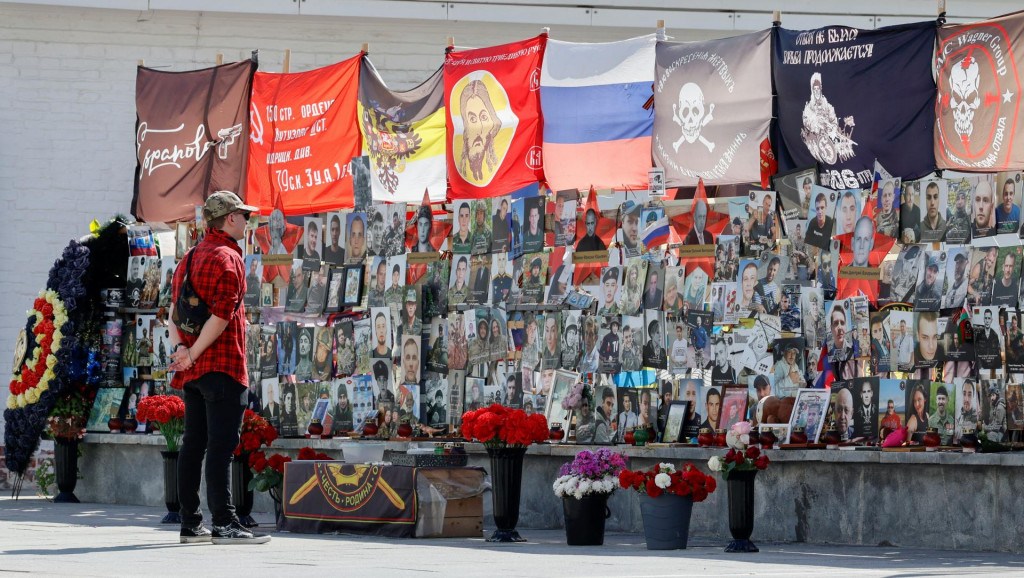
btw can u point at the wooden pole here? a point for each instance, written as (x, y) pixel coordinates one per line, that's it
(942, 7)
(220, 59)
(777, 18)
(365, 48)
(287, 61)
(142, 62)
(450, 42)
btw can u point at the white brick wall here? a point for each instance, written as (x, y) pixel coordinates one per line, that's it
(67, 107)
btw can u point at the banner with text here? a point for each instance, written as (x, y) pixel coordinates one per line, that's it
(191, 138)
(712, 109)
(404, 136)
(978, 111)
(493, 100)
(848, 96)
(303, 134)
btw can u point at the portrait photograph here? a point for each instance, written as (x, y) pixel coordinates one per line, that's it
(310, 251)
(820, 222)
(565, 217)
(677, 412)
(335, 290)
(695, 287)
(809, 411)
(794, 189)
(1006, 285)
(906, 273)
(887, 205)
(933, 208)
(1008, 199)
(481, 227)
(383, 335)
(727, 257)
(734, 406)
(930, 281)
(959, 213)
(848, 210)
(760, 230)
(298, 286)
(988, 338)
(984, 200)
(353, 285)
(562, 382)
(628, 234)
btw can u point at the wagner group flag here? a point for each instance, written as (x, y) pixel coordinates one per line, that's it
(978, 115)
(597, 113)
(404, 136)
(494, 124)
(848, 96)
(302, 136)
(712, 109)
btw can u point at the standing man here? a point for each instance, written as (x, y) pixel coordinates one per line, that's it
(211, 370)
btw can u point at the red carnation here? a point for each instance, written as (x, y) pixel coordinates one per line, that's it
(307, 453)
(761, 462)
(652, 489)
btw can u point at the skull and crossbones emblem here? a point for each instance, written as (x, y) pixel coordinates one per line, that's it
(964, 79)
(690, 114)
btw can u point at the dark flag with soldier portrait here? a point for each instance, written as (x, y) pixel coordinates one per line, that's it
(494, 123)
(191, 138)
(848, 96)
(713, 107)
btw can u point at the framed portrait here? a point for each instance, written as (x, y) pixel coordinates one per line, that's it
(353, 285)
(335, 289)
(809, 412)
(562, 382)
(734, 406)
(677, 413)
(794, 188)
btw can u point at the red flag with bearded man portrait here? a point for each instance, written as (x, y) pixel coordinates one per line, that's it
(492, 100)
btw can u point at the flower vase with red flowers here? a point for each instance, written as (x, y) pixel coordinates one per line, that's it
(667, 495)
(505, 434)
(169, 412)
(739, 467)
(256, 433)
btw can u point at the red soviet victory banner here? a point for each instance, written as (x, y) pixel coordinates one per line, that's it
(492, 99)
(303, 135)
(191, 138)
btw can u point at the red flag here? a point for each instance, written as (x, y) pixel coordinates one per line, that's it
(769, 165)
(303, 134)
(492, 99)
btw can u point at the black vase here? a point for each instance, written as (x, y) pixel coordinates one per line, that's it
(241, 495)
(741, 510)
(65, 466)
(584, 519)
(275, 495)
(507, 484)
(171, 488)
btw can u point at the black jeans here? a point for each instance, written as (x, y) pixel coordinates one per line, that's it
(213, 417)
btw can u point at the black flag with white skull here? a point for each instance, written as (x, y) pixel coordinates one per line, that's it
(712, 109)
(848, 96)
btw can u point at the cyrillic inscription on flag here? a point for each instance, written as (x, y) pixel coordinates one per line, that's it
(191, 138)
(712, 109)
(303, 134)
(494, 122)
(404, 136)
(848, 96)
(598, 113)
(977, 112)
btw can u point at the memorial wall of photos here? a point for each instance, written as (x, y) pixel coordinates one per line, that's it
(677, 314)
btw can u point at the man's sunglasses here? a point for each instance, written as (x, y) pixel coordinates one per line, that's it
(245, 214)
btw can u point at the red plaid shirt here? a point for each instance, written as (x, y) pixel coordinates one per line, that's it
(218, 275)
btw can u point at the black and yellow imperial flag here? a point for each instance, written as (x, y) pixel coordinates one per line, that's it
(323, 497)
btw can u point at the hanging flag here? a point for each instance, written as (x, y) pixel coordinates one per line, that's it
(848, 96)
(978, 112)
(404, 136)
(494, 119)
(597, 131)
(712, 109)
(191, 138)
(769, 166)
(303, 134)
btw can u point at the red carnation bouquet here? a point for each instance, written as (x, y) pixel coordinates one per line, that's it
(498, 426)
(256, 433)
(169, 412)
(268, 472)
(664, 478)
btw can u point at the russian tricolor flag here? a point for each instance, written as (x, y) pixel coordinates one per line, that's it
(598, 113)
(657, 233)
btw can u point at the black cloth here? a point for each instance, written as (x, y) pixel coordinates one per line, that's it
(214, 404)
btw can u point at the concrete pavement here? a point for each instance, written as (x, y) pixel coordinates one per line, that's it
(100, 540)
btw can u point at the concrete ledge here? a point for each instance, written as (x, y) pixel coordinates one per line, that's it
(908, 499)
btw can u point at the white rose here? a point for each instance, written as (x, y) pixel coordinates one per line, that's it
(663, 480)
(715, 464)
